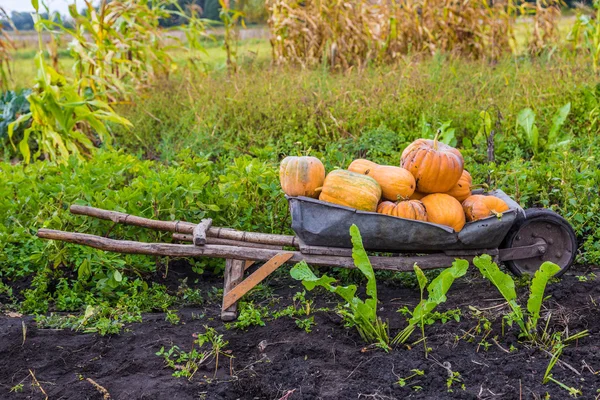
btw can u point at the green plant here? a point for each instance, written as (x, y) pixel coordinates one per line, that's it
(172, 317)
(359, 313)
(62, 121)
(586, 29)
(554, 140)
(17, 388)
(231, 19)
(306, 324)
(548, 376)
(415, 372)
(206, 348)
(250, 315)
(436, 290)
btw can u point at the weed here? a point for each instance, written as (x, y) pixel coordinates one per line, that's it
(415, 372)
(249, 315)
(206, 348)
(17, 388)
(172, 317)
(306, 324)
(436, 290)
(358, 313)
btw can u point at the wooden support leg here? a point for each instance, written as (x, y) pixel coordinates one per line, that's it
(232, 296)
(234, 274)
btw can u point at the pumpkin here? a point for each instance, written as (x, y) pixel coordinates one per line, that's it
(362, 166)
(435, 165)
(396, 183)
(417, 196)
(444, 209)
(409, 209)
(479, 206)
(462, 189)
(352, 190)
(301, 176)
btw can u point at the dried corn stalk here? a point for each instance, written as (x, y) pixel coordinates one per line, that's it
(356, 32)
(6, 49)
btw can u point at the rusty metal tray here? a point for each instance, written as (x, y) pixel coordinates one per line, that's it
(318, 223)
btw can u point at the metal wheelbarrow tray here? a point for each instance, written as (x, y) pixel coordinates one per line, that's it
(523, 239)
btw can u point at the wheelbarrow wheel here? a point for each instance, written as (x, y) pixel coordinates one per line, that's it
(540, 223)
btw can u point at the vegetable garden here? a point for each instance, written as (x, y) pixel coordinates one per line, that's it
(429, 116)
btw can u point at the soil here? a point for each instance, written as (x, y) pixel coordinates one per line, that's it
(331, 362)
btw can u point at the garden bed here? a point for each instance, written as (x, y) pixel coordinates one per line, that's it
(331, 362)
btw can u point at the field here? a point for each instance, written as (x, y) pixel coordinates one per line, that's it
(207, 142)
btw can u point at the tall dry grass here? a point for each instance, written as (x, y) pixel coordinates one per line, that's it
(353, 33)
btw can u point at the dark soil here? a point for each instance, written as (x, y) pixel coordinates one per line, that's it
(331, 362)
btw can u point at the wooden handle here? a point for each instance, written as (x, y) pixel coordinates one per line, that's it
(200, 232)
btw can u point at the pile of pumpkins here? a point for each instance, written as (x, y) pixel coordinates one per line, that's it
(430, 185)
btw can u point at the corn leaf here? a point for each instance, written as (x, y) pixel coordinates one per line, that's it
(537, 288)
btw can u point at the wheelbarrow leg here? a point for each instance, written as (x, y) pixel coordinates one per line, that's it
(234, 274)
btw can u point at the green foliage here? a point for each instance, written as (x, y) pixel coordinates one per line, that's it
(506, 286)
(538, 285)
(249, 315)
(306, 324)
(585, 34)
(526, 120)
(207, 347)
(12, 105)
(436, 290)
(359, 313)
(61, 122)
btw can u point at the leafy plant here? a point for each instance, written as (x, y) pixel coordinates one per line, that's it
(62, 122)
(506, 286)
(360, 313)
(586, 33)
(306, 324)
(207, 347)
(415, 372)
(249, 315)
(119, 47)
(526, 120)
(436, 290)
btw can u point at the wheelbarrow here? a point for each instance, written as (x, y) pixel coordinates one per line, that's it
(521, 239)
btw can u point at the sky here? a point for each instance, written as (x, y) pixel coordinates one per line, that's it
(25, 5)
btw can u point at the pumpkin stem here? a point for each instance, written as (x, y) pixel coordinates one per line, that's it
(497, 214)
(435, 140)
(480, 185)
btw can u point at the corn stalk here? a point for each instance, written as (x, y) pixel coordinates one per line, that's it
(6, 49)
(354, 33)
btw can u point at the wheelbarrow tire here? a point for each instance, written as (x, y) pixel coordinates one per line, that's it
(541, 223)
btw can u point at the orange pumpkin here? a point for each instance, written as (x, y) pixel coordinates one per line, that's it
(479, 206)
(362, 166)
(462, 189)
(417, 196)
(396, 183)
(352, 190)
(410, 209)
(301, 176)
(444, 209)
(435, 165)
